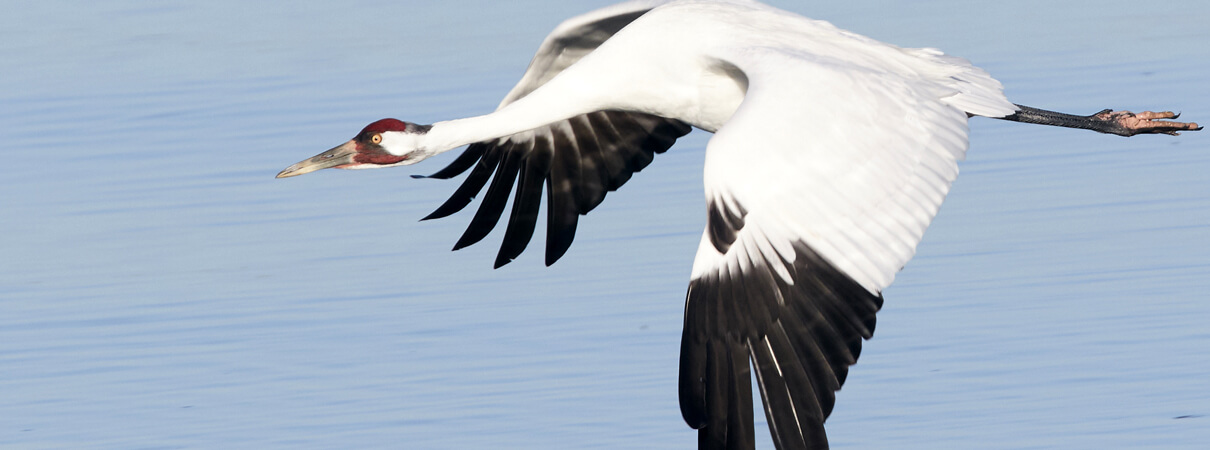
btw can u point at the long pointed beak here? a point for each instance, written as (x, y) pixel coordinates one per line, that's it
(337, 156)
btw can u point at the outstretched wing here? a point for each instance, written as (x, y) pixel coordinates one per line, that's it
(807, 223)
(578, 159)
(574, 38)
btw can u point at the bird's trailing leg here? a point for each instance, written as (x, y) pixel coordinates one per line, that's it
(1121, 123)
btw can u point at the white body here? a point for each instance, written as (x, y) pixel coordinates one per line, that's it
(821, 134)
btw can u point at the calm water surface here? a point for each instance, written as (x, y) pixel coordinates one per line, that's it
(159, 289)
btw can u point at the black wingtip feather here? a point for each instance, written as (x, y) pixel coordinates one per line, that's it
(718, 398)
(741, 434)
(559, 239)
(437, 215)
(691, 382)
(784, 424)
(524, 217)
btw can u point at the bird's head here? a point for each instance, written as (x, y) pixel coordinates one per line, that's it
(385, 143)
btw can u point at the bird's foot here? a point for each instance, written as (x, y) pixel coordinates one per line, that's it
(1126, 123)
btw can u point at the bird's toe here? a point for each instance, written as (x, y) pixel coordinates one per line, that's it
(1147, 122)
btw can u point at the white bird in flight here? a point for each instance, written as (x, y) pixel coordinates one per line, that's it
(831, 154)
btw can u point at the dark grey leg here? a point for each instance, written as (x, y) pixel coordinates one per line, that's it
(1121, 123)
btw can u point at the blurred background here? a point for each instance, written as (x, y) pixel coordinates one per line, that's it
(160, 289)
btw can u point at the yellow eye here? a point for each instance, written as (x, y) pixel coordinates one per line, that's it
(377, 139)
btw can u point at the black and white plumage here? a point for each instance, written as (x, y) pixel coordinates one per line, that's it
(578, 159)
(831, 155)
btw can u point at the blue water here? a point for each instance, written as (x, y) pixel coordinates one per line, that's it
(159, 289)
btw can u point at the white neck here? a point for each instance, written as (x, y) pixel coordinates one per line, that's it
(663, 83)
(542, 107)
